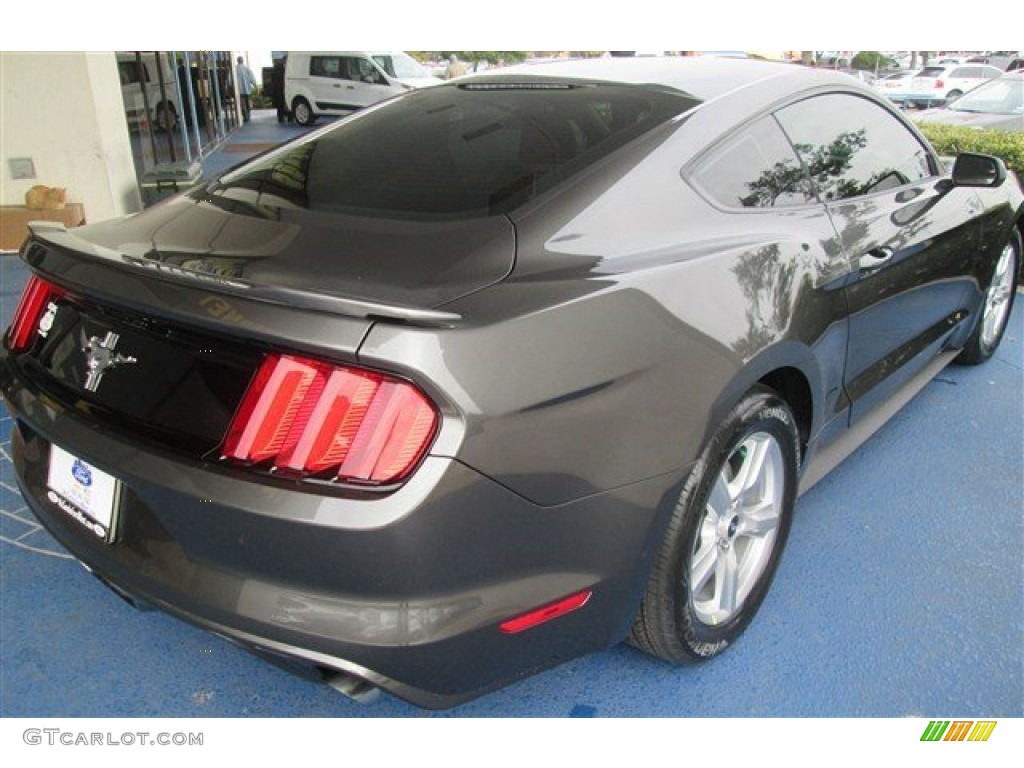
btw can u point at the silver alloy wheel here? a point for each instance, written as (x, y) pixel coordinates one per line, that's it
(997, 300)
(302, 112)
(737, 534)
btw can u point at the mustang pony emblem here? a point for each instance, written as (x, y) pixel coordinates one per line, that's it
(100, 358)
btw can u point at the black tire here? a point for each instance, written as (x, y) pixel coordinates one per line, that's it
(670, 623)
(302, 112)
(998, 299)
(954, 94)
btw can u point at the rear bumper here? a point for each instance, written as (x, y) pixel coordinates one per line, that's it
(929, 99)
(405, 591)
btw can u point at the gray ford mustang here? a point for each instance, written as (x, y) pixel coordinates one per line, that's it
(503, 371)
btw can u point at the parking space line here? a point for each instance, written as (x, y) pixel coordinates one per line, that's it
(17, 517)
(37, 550)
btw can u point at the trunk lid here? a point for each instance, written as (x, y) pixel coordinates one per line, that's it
(234, 235)
(176, 307)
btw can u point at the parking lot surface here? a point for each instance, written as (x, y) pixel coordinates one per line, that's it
(901, 594)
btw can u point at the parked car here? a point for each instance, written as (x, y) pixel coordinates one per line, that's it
(893, 79)
(339, 82)
(502, 371)
(1004, 60)
(894, 85)
(998, 104)
(836, 59)
(862, 75)
(937, 85)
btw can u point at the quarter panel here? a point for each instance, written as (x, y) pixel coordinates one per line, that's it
(633, 317)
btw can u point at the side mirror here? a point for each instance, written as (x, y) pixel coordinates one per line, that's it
(971, 170)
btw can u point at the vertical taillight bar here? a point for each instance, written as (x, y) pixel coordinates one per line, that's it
(309, 417)
(36, 296)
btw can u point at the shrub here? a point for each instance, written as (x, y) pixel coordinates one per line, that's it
(261, 100)
(872, 61)
(953, 139)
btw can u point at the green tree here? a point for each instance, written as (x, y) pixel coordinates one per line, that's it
(872, 61)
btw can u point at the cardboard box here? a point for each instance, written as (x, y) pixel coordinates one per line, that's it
(14, 221)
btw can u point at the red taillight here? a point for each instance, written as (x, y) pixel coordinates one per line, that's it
(37, 295)
(310, 417)
(546, 613)
(939, 84)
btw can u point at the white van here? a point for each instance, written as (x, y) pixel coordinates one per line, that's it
(163, 105)
(339, 82)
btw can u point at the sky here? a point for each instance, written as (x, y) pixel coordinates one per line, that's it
(535, 25)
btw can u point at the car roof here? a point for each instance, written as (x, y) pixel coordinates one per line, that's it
(946, 67)
(705, 78)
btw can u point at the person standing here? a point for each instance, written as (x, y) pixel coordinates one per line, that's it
(455, 68)
(246, 82)
(277, 92)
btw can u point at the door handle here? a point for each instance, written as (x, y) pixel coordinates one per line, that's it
(875, 259)
(880, 255)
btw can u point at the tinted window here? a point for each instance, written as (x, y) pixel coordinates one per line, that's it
(960, 72)
(456, 151)
(852, 146)
(756, 169)
(325, 66)
(931, 72)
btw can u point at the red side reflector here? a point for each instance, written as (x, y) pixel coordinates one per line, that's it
(939, 84)
(37, 295)
(546, 613)
(310, 417)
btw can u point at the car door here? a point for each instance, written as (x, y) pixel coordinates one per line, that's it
(908, 237)
(976, 75)
(964, 78)
(364, 83)
(325, 82)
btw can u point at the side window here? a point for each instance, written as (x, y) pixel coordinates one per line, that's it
(852, 146)
(361, 70)
(755, 169)
(325, 66)
(962, 72)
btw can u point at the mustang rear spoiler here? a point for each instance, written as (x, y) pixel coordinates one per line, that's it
(56, 234)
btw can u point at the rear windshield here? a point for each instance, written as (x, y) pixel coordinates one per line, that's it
(475, 149)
